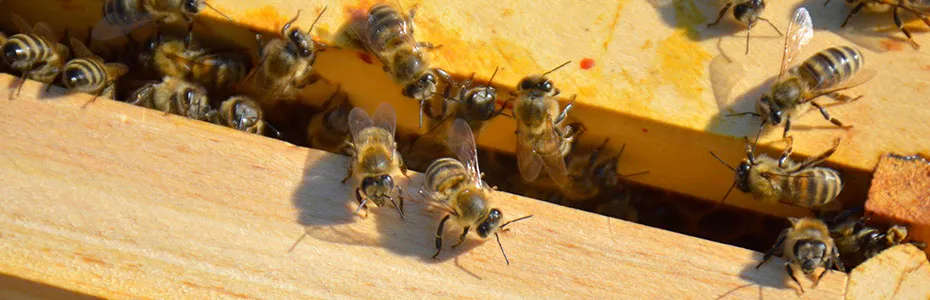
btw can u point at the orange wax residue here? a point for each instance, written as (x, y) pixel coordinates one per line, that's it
(587, 63)
(645, 130)
(266, 17)
(364, 56)
(892, 45)
(358, 11)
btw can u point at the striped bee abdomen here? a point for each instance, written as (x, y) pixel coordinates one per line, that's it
(831, 67)
(84, 75)
(124, 12)
(445, 175)
(22, 51)
(386, 26)
(814, 187)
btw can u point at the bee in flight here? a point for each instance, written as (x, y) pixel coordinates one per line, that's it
(857, 241)
(806, 245)
(123, 16)
(375, 157)
(286, 62)
(542, 140)
(457, 188)
(920, 8)
(747, 12)
(88, 73)
(388, 35)
(782, 180)
(242, 113)
(34, 51)
(174, 95)
(826, 73)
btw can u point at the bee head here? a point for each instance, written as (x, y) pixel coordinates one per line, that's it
(481, 102)
(376, 186)
(742, 175)
(423, 88)
(490, 224)
(770, 112)
(192, 7)
(748, 11)
(301, 42)
(809, 254)
(13, 52)
(247, 116)
(73, 78)
(538, 86)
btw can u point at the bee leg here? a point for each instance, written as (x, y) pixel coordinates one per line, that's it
(787, 153)
(565, 111)
(844, 98)
(787, 126)
(722, 13)
(748, 31)
(362, 203)
(189, 38)
(439, 235)
(400, 208)
(348, 173)
(826, 115)
(900, 24)
(836, 259)
(768, 254)
(462, 237)
(791, 273)
(819, 158)
(852, 12)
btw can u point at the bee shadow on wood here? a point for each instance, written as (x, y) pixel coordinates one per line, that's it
(694, 16)
(769, 275)
(873, 31)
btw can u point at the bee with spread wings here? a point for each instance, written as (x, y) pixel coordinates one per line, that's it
(457, 187)
(826, 73)
(375, 157)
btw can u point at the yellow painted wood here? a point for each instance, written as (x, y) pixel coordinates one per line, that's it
(117, 201)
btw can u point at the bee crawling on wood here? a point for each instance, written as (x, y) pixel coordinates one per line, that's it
(34, 51)
(920, 8)
(88, 73)
(857, 241)
(457, 188)
(747, 12)
(242, 113)
(176, 96)
(375, 158)
(807, 246)
(286, 63)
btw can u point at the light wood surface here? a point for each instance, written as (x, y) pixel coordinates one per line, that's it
(650, 86)
(900, 193)
(118, 201)
(901, 272)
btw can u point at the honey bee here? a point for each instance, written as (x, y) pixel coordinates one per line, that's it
(457, 187)
(174, 95)
(920, 8)
(388, 35)
(285, 62)
(588, 176)
(806, 245)
(175, 57)
(857, 242)
(782, 180)
(375, 157)
(34, 51)
(747, 12)
(826, 73)
(541, 138)
(88, 73)
(123, 16)
(328, 129)
(243, 113)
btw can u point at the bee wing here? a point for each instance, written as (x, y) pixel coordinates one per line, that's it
(862, 77)
(385, 117)
(800, 32)
(105, 30)
(358, 120)
(528, 161)
(360, 30)
(724, 75)
(43, 30)
(21, 25)
(462, 142)
(80, 50)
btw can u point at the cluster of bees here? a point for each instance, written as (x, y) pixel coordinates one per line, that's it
(188, 74)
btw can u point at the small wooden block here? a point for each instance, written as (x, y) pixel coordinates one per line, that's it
(900, 193)
(901, 272)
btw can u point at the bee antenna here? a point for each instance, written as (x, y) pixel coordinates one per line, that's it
(498, 237)
(301, 238)
(276, 132)
(556, 68)
(288, 24)
(317, 19)
(728, 192)
(722, 162)
(756, 142)
(488, 87)
(217, 11)
(515, 220)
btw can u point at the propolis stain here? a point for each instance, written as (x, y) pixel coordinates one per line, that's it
(587, 63)
(683, 62)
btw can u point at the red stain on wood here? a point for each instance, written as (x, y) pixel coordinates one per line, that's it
(364, 56)
(587, 63)
(892, 45)
(645, 130)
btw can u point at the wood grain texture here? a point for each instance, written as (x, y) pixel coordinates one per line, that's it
(901, 272)
(900, 193)
(118, 201)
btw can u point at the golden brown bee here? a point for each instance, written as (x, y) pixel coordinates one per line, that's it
(286, 63)
(474, 104)
(243, 113)
(457, 187)
(920, 8)
(388, 35)
(180, 58)
(375, 157)
(34, 51)
(747, 12)
(857, 241)
(329, 129)
(782, 180)
(806, 245)
(542, 140)
(826, 73)
(88, 73)
(588, 176)
(176, 96)
(123, 16)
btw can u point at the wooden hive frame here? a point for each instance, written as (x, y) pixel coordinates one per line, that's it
(651, 87)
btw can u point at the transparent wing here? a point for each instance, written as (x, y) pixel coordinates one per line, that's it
(555, 167)
(800, 32)
(863, 76)
(21, 25)
(724, 75)
(385, 117)
(80, 50)
(105, 30)
(360, 29)
(528, 161)
(462, 143)
(358, 120)
(44, 31)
